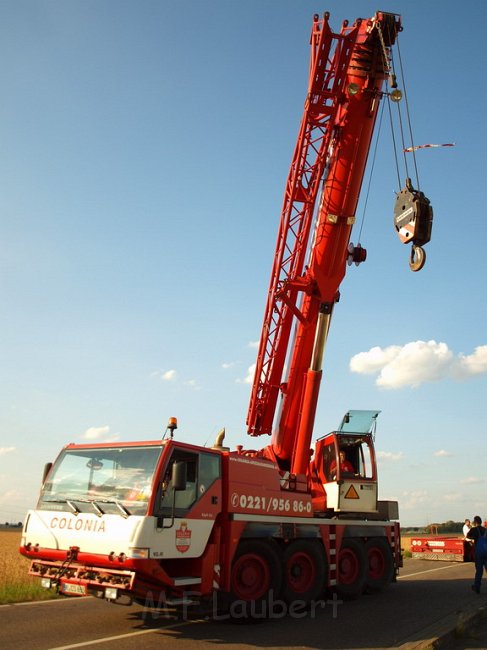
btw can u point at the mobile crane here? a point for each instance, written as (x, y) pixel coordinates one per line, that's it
(167, 521)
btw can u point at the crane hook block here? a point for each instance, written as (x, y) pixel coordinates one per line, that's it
(413, 220)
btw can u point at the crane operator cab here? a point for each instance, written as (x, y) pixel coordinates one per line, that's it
(345, 472)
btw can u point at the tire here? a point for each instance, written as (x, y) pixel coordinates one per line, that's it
(256, 581)
(304, 571)
(351, 568)
(380, 564)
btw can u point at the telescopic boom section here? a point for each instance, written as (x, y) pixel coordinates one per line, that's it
(347, 71)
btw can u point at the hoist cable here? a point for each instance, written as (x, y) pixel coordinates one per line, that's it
(401, 130)
(394, 146)
(371, 173)
(408, 116)
(389, 68)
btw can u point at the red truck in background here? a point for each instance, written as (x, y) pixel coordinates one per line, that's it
(442, 547)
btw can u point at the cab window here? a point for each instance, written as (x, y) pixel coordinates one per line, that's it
(201, 471)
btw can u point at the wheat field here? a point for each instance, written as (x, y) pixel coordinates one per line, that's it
(15, 583)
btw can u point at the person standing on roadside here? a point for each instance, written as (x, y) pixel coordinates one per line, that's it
(478, 536)
(468, 553)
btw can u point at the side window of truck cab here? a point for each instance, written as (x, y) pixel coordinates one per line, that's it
(209, 471)
(202, 469)
(365, 466)
(329, 460)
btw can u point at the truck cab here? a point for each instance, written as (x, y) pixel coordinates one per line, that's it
(128, 511)
(344, 471)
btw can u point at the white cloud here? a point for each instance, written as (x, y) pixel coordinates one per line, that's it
(228, 365)
(374, 360)
(473, 364)
(253, 344)
(389, 456)
(442, 453)
(11, 495)
(249, 377)
(452, 497)
(165, 375)
(472, 480)
(418, 362)
(6, 450)
(93, 433)
(99, 434)
(172, 375)
(411, 500)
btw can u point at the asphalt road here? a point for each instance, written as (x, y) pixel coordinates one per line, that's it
(429, 597)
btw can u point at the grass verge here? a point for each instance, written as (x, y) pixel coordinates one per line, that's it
(15, 584)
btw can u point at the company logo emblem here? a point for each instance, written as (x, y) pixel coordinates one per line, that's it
(183, 537)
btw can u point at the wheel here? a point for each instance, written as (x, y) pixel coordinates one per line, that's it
(256, 580)
(380, 565)
(304, 571)
(352, 568)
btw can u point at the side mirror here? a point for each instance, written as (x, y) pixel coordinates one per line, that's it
(179, 474)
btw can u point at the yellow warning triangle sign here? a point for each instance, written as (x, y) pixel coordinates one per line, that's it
(352, 493)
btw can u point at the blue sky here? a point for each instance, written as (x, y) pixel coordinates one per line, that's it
(145, 148)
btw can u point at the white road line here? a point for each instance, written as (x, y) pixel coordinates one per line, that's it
(107, 639)
(44, 602)
(418, 573)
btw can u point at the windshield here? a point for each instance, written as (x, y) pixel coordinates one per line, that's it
(115, 480)
(359, 422)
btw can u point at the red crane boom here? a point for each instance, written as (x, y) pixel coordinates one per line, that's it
(347, 71)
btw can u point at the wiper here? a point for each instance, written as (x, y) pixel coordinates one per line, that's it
(97, 508)
(124, 511)
(92, 502)
(73, 507)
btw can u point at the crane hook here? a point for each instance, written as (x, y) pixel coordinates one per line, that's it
(417, 259)
(413, 220)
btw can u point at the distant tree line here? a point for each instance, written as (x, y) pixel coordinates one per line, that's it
(446, 527)
(11, 525)
(450, 527)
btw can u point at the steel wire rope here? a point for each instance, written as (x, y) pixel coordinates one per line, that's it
(394, 145)
(393, 84)
(389, 66)
(374, 155)
(408, 118)
(403, 142)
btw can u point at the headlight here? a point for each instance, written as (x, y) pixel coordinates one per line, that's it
(111, 593)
